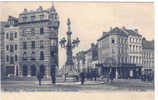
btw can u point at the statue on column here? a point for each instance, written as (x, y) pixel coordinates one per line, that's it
(69, 45)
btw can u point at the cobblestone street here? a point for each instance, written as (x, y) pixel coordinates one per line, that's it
(117, 85)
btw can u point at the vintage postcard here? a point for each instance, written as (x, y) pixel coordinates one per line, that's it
(100, 48)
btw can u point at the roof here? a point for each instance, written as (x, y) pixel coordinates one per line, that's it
(2, 24)
(146, 44)
(120, 31)
(113, 31)
(132, 32)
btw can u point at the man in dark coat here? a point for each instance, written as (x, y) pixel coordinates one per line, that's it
(39, 77)
(82, 77)
(53, 77)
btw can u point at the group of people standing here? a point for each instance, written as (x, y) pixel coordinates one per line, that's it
(82, 76)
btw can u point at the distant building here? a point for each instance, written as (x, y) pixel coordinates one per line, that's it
(80, 56)
(87, 60)
(114, 53)
(11, 39)
(2, 49)
(148, 56)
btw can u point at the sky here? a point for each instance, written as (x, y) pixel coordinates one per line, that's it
(90, 19)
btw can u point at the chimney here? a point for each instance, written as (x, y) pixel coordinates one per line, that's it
(136, 30)
(110, 28)
(124, 28)
(25, 10)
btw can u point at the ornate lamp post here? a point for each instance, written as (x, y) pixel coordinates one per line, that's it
(69, 45)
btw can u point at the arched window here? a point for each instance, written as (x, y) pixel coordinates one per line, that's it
(41, 55)
(42, 69)
(33, 56)
(25, 56)
(33, 70)
(24, 70)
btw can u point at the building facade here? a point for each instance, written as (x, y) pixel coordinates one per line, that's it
(31, 43)
(2, 49)
(11, 39)
(113, 53)
(38, 41)
(86, 61)
(148, 56)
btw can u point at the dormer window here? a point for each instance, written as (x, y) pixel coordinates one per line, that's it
(24, 19)
(41, 17)
(32, 18)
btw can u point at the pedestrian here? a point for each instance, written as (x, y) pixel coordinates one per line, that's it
(53, 77)
(82, 78)
(95, 76)
(108, 77)
(39, 77)
(65, 75)
(111, 77)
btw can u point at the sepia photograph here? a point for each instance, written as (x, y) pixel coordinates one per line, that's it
(59, 46)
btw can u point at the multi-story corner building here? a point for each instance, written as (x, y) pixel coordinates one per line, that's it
(134, 51)
(38, 41)
(11, 39)
(2, 49)
(148, 56)
(113, 53)
(134, 46)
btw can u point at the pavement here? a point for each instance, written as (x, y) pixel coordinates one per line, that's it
(70, 86)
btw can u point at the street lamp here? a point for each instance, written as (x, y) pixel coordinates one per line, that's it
(69, 45)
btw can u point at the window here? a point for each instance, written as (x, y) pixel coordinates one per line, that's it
(118, 40)
(7, 35)
(41, 55)
(41, 17)
(16, 58)
(7, 58)
(33, 56)
(32, 18)
(53, 42)
(11, 60)
(133, 48)
(41, 44)
(11, 36)
(33, 44)
(130, 48)
(16, 47)
(41, 31)
(24, 19)
(32, 31)
(25, 56)
(11, 48)
(113, 41)
(15, 34)
(24, 45)
(7, 47)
